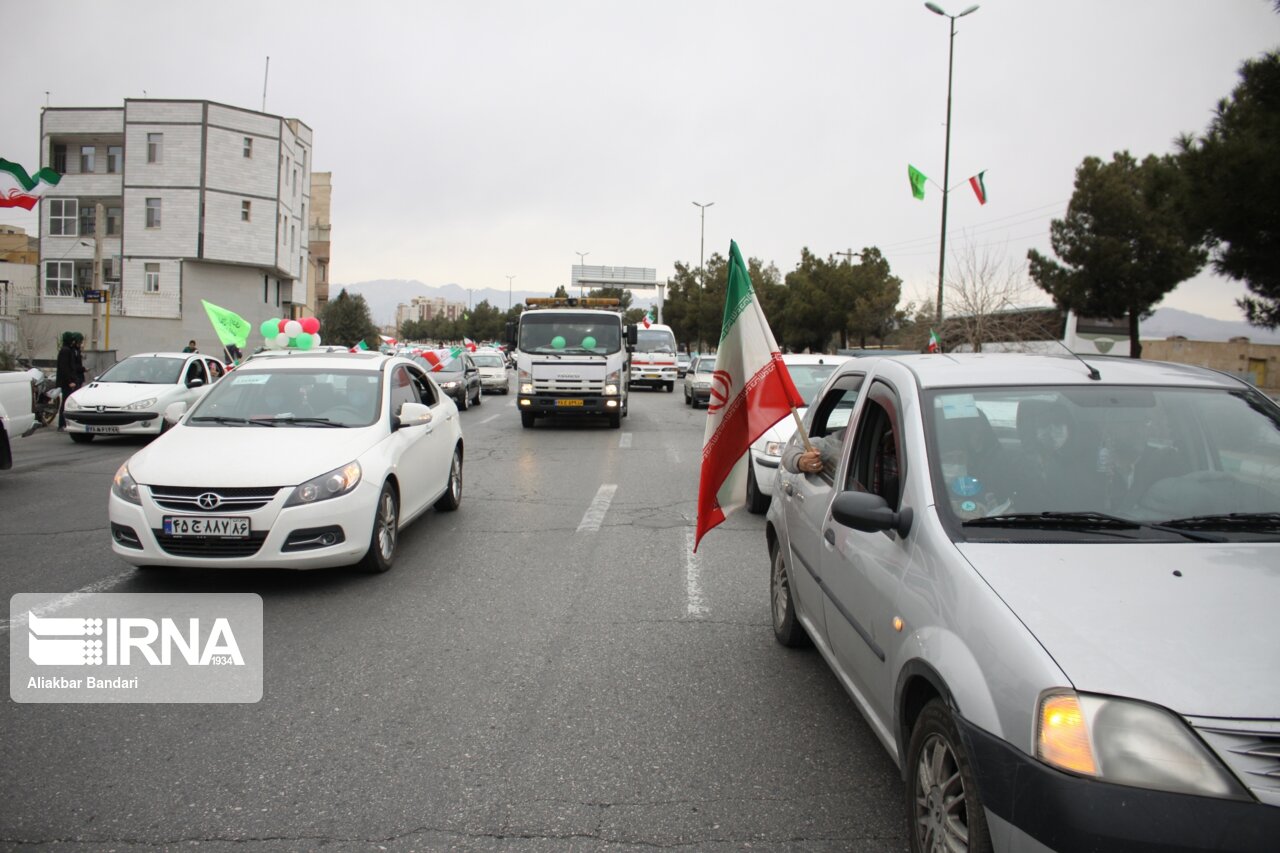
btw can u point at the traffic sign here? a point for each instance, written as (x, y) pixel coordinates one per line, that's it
(95, 296)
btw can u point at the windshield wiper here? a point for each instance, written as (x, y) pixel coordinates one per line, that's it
(1082, 521)
(292, 420)
(220, 419)
(1259, 522)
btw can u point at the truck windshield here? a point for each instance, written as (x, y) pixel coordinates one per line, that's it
(570, 333)
(655, 340)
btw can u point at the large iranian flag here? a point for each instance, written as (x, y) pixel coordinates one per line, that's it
(751, 391)
(18, 189)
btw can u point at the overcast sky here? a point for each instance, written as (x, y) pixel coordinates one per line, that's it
(474, 140)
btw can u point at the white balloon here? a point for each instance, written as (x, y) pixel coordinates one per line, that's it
(282, 339)
(316, 342)
(293, 328)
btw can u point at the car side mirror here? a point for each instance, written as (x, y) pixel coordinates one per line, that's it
(174, 412)
(511, 335)
(411, 415)
(195, 382)
(632, 336)
(869, 513)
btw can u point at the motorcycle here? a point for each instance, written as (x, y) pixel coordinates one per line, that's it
(48, 396)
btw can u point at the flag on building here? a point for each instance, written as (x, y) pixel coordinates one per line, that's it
(18, 189)
(751, 390)
(230, 327)
(979, 187)
(935, 345)
(917, 181)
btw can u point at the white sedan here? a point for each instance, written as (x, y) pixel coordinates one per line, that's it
(130, 396)
(305, 462)
(809, 373)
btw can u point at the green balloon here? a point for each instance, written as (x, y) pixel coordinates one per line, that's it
(588, 342)
(303, 341)
(269, 328)
(557, 342)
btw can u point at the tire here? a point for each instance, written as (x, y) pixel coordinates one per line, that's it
(944, 809)
(615, 421)
(464, 402)
(787, 629)
(688, 398)
(81, 437)
(47, 415)
(671, 387)
(385, 535)
(757, 501)
(527, 419)
(452, 497)
(479, 396)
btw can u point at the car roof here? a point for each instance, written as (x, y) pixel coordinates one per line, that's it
(341, 360)
(167, 355)
(813, 358)
(956, 370)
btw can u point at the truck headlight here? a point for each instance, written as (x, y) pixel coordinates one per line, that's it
(525, 381)
(124, 487)
(1128, 743)
(611, 383)
(141, 404)
(337, 482)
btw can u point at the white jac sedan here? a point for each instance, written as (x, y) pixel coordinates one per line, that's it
(308, 461)
(130, 397)
(808, 372)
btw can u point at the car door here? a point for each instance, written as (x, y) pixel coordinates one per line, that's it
(415, 450)
(442, 433)
(861, 571)
(195, 369)
(806, 497)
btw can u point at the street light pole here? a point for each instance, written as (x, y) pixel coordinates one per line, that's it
(509, 278)
(702, 246)
(946, 161)
(582, 262)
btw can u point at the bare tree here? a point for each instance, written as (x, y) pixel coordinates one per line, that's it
(989, 300)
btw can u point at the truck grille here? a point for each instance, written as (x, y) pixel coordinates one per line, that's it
(567, 386)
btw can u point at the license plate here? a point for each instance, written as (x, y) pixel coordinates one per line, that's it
(568, 402)
(222, 527)
(102, 428)
(653, 376)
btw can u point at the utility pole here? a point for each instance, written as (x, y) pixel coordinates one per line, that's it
(702, 246)
(849, 255)
(99, 217)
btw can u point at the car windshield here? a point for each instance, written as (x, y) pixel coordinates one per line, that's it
(1158, 455)
(567, 332)
(297, 397)
(145, 370)
(809, 378)
(705, 365)
(488, 360)
(655, 340)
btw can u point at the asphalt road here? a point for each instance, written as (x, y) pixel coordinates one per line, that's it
(549, 668)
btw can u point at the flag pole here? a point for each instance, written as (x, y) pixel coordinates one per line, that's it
(804, 436)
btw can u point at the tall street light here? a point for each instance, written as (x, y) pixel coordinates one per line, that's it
(509, 278)
(946, 162)
(582, 262)
(702, 247)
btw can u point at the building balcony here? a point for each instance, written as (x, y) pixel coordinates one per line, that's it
(77, 185)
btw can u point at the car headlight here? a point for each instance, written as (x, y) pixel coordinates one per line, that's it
(773, 448)
(1128, 743)
(141, 404)
(124, 487)
(71, 404)
(337, 482)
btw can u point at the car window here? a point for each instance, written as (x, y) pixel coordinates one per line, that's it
(403, 389)
(426, 391)
(196, 370)
(215, 370)
(877, 464)
(827, 427)
(808, 378)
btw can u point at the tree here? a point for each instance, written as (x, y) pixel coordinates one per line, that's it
(619, 293)
(346, 320)
(414, 330)
(1235, 169)
(872, 298)
(815, 309)
(1125, 242)
(988, 298)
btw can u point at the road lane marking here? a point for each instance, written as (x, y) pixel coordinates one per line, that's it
(624, 440)
(695, 606)
(492, 418)
(70, 598)
(595, 513)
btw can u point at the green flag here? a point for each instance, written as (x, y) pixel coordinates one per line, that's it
(229, 326)
(917, 181)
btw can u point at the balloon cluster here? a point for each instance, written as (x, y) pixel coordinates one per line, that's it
(300, 334)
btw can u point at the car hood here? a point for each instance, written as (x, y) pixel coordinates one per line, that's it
(248, 456)
(121, 393)
(1191, 627)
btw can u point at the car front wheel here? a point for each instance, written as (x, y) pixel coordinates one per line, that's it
(943, 806)
(82, 437)
(382, 542)
(786, 626)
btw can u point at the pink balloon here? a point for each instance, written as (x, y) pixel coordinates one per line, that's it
(310, 325)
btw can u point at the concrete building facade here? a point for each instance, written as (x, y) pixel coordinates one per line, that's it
(318, 228)
(1256, 363)
(198, 200)
(428, 308)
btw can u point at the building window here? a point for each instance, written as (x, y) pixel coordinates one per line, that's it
(115, 154)
(62, 217)
(88, 154)
(293, 238)
(88, 219)
(248, 147)
(114, 215)
(244, 211)
(304, 213)
(60, 159)
(153, 213)
(58, 279)
(151, 279)
(155, 147)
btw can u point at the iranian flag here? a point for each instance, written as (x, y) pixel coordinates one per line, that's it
(438, 358)
(18, 189)
(935, 345)
(648, 319)
(979, 187)
(751, 390)
(469, 344)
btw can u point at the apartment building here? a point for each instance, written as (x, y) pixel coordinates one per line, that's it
(318, 240)
(183, 200)
(428, 308)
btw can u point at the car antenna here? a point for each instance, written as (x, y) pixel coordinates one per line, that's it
(1093, 371)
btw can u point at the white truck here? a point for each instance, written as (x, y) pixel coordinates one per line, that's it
(654, 361)
(17, 412)
(571, 359)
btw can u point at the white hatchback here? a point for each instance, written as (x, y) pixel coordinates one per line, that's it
(493, 371)
(130, 397)
(305, 462)
(809, 373)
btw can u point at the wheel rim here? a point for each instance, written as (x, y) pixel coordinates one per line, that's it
(781, 591)
(455, 479)
(942, 818)
(386, 526)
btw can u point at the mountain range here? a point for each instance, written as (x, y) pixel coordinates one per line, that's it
(384, 295)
